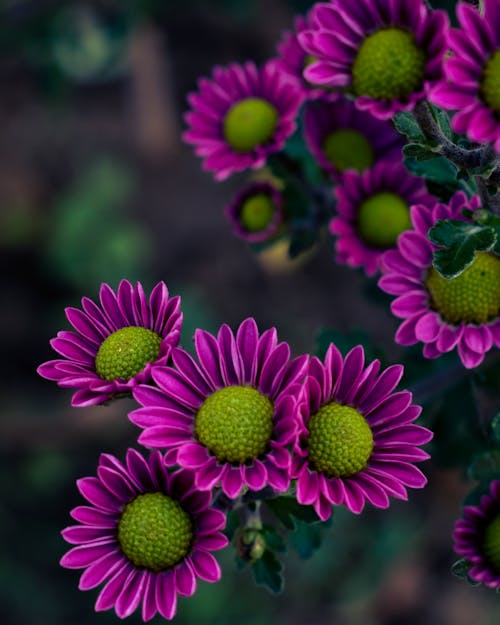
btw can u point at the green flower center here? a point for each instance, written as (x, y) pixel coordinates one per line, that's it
(125, 352)
(381, 218)
(235, 423)
(250, 123)
(340, 440)
(348, 149)
(154, 532)
(490, 84)
(471, 297)
(491, 544)
(388, 65)
(257, 212)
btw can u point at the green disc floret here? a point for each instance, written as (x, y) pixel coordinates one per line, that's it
(348, 149)
(125, 353)
(471, 297)
(388, 65)
(155, 532)
(382, 218)
(490, 83)
(491, 542)
(249, 123)
(257, 212)
(235, 423)
(340, 441)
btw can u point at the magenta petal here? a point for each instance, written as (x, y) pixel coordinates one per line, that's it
(307, 486)
(79, 534)
(354, 498)
(208, 475)
(256, 475)
(101, 570)
(149, 608)
(90, 516)
(192, 455)
(478, 339)
(469, 358)
(323, 508)
(109, 594)
(185, 579)
(131, 594)
(82, 556)
(206, 566)
(427, 328)
(93, 490)
(166, 595)
(232, 481)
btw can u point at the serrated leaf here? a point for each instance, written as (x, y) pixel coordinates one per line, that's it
(461, 568)
(273, 540)
(461, 240)
(288, 510)
(406, 124)
(306, 539)
(268, 572)
(486, 467)
(438, 170)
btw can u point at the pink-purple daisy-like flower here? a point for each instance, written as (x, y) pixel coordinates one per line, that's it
(114, 345)
(463, 312)
(472, 72)
(147, 536)
(256, 213)
(293, 59)
(230, 415)
(341, 137)
(373, 210)
(357, 439)
(387, 53)
(241, 116)
(477, 538)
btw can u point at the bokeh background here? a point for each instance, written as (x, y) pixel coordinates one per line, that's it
(96, 185)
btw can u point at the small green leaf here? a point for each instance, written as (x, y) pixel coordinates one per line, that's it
(306, 539)
(288, 510)
(461, 568)
(273, 540)
(418, 152)
(461, 240)
(268, 572)
(485, 467)
(406, 124)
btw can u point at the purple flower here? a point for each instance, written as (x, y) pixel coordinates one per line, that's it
(230, 415)
(472, 85)
(341, 137)
(146, 536)
(241, 116)
(373, 209)
(443, 314)
(387, 53)
(357, 441)
(293, 59)
(256, 213)
(477, 538)
(114, 345)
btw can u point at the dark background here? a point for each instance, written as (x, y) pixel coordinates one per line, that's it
(95, 185)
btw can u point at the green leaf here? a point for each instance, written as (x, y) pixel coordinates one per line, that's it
(406, 124)
(306, 539)
(461, 240)
(418, 152)
(461, 568)
(486, 467)
(273, 540)
(288, 510)
(268, 572)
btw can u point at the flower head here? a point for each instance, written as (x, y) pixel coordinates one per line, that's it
(230, 415)
(387, 53)
(341, 137)
(357, 440)
(477, 538)
(373, 210)
(240, 116)
(463, 312)
(115, 345)
(472, 85)
(146, 536)
(256, 213)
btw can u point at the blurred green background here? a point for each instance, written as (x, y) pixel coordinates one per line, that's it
(95, 185)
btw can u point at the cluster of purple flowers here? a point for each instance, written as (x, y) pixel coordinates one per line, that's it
(241, 415)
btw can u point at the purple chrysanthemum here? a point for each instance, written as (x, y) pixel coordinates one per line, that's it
(293, 59)
(463, 312)
(357, 441)
(256, 213)
(231, 415)
(473, 85)
(387, 53)
(240, 116)
(341, 137)
(114, 345)
(477, 538)
(146, 536)
(373, 210)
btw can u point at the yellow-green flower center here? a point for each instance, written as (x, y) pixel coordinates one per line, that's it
(257, 212)
(235, 423)
(348, 149)
(388, 65)
(382, 218)
(154, 532)
(471, 297)
(125, 352)
(491, 542)
(340, 440)
(490, 83)
(250, 123)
